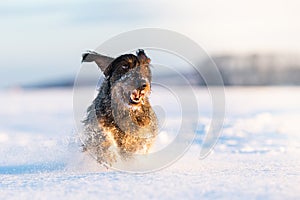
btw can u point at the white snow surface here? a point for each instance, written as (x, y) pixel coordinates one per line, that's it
(256, 157)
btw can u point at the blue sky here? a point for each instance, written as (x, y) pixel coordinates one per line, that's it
(42, 40)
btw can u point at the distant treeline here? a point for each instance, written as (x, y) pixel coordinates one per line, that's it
(236, 70)
(256, 69)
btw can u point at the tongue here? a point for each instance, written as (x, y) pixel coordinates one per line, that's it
(135, 96)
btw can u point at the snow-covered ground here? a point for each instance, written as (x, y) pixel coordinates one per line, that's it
(257, 156)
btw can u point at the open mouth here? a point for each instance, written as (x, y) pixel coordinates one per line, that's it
(137, 96)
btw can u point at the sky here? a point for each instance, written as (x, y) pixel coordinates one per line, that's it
(43, 40)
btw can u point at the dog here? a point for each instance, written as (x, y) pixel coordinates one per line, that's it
(120, 122)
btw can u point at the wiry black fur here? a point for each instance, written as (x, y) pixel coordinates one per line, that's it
(108, 138)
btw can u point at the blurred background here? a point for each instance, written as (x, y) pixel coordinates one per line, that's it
(253, 42)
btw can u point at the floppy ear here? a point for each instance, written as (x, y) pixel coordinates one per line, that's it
(101, 60)
(143, 58)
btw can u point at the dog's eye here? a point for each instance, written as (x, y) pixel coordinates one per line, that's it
(125, 66)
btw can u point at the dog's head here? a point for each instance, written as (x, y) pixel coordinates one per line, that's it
(129, 75)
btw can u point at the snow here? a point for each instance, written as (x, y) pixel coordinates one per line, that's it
(257, 156)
